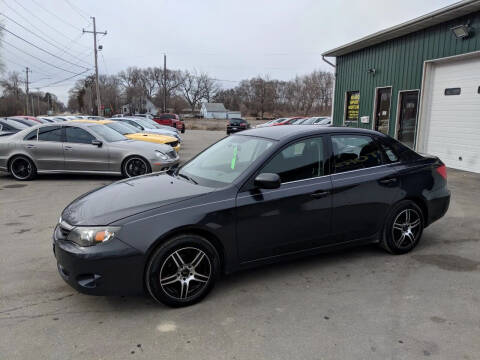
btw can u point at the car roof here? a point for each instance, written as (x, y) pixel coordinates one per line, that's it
(103, 122)
(289, 131)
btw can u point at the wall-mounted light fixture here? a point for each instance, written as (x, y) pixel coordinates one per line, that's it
(372, 71)
(461, 31)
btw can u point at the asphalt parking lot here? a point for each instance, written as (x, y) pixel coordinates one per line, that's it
(355, 304)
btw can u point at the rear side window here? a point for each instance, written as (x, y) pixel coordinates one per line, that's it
(77, 135)
(31, 136)
(299, 161)
(353, 152)
(50, 133)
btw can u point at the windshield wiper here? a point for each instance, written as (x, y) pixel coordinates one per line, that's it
(188, 178)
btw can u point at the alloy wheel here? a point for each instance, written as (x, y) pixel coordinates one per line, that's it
(185, 273)
(21, 168)
(135, 167)
(406, 228)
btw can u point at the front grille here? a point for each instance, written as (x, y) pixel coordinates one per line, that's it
(173, 143)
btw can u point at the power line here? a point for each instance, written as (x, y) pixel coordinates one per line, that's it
(37, 58)
(63, 80)
(17, 57)
(55, 15)
(39, 48)
(40, 37)
(39, 18)
(78, 10)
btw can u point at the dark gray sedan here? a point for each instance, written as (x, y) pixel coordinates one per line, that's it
(80, 148)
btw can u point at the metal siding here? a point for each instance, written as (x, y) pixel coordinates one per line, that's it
(399, 63)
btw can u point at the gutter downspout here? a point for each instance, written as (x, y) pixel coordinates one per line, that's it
(334, 83)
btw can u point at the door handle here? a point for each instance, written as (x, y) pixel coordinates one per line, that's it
(69, 148)
(388, 181)
(30, 146)
(319, 194)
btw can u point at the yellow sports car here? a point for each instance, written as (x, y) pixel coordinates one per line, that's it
(131, 132)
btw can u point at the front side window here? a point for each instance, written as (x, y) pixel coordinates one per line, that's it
(353, 152)
(50, 133)
(299, 161)
(226, 160)
(78, 136)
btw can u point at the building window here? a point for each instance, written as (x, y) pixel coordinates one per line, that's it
(452, 91)
(352, 106)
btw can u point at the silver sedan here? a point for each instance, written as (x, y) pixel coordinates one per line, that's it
(80, 148)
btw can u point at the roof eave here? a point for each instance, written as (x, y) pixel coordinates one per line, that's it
(447, 13)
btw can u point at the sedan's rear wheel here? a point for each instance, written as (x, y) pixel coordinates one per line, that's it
(22, 168)
(403, 228)
(135, 166)
(182, 271)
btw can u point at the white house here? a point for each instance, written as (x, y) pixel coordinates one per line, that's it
(213, 111)
(234, 114)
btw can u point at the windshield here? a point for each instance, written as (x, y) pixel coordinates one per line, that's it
(122, 128)
(225, 161)
(107, 134)
(145, 123)
(309, 121)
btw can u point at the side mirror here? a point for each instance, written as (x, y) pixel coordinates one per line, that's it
(267, 181)
(97, 143)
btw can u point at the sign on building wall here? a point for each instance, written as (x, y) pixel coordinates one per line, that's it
(352, 107)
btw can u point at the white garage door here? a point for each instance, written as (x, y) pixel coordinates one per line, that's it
(454, 116)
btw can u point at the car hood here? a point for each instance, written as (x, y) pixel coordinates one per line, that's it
(156, 138)
(129, 197)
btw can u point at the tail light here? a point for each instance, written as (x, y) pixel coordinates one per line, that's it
(243, 125)
(442, 170)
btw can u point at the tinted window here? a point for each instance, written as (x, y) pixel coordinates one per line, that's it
(6, 127)
(122, 128)
(31, 136)
(389, 154)
(302, 160)
(77, 135)
(50, 133)
(352, 152)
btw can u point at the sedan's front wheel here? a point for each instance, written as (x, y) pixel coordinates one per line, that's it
(135, 166)
(403, 228)
(182, 271)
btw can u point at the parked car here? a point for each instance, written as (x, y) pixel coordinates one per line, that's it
(11, 126)
(46, 119)
(132, 132)
(154, 124)
(80, 148)
(237, 124)
(145, 126)
(271, 122)
(253, 198)
(27, 122)
(172, 120)
(287, 121)
(317, 120)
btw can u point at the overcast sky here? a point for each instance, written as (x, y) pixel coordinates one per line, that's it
(230, 40)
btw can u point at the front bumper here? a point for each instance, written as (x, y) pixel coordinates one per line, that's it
(112, 268)
(161, 165)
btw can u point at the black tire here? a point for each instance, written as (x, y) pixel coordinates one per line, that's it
(179, 273)
(128, 166)
(22, 168)
(183, 129)
(403, 228)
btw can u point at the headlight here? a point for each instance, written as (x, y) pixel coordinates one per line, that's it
(88, 236)
(161, 155)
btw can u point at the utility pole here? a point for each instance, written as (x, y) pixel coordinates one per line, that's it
(27, 70)
(164, 83)
(94, 32)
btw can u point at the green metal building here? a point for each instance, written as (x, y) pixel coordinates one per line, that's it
(418, 82)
